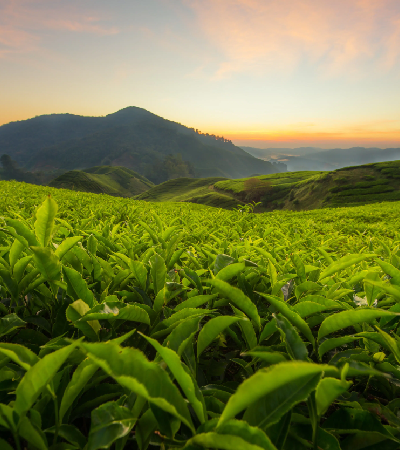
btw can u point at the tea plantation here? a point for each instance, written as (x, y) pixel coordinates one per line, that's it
(134, 325)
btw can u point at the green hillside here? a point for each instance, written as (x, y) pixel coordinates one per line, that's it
(193, 190)
(349, 186)
(118, 181)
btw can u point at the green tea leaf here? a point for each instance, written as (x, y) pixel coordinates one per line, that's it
(38, 376)
(10, 323)
(212, 329)
(327, 391)
(45, 221)
(290, 315)
(187, 384)
(345, 319)
(110, 422)
(81, 376)
(343, 263)
(130, 368)
(237, 297)
(275, 379)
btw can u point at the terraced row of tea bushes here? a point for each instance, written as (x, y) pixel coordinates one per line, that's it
(179, 326)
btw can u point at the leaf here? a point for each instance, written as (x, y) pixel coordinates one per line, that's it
(47, 263)
(268, 409)
(299, 266)
(330, 344)
(273, 380)
(230, 271)
(23, 230)
(38, 376)
(192, 275)
(269, 329)
(71, 434)
(343, 263)
(390, 270)
(110, 422)
(250, 434)
(134, 313)
(187, 384)
(76, 311)
(222, 441)
(391, 289)
(19, 268)
(28, 432)
(10, 323)
(15, 252)
(130, 368)
(295, 346)
(66, 246)
(240, 300)
(78, 286)
(182, 335)
(269, 357)
(140, 272)
(305, 309)
(44, 223)
(222, 261)
(371, 291)
(158, 272)
(306, 287)
(195, 302)
(327, 391)
(391, 343)
(290, 315)
(19, 354)
(81, 376)
(349, 420)
(211, 330)
(4, 445)
(345, 319)
(145, 427)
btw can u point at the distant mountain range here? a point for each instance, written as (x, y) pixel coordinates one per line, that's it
(132, 138)
(311, 158)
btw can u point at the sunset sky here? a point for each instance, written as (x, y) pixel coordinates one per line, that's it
(264, 73)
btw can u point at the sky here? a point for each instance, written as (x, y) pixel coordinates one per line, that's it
(264, 73)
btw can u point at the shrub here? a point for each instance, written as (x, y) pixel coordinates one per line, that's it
(255, 189)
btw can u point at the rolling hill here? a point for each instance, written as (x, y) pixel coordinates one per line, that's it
(131, 137)
(348, 186)
(118, 181)
(193, 190)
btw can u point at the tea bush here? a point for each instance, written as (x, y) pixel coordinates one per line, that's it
(130, 325)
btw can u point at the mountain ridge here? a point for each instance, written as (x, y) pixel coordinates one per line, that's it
(131, 137)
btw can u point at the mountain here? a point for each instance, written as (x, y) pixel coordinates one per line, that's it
(131, 137)
(310, 158)
(266, 153)
(118, 181)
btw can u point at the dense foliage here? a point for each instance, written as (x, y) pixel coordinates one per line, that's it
(140, 325)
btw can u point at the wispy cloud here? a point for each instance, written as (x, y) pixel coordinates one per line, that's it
(268, 35)
(24, 23)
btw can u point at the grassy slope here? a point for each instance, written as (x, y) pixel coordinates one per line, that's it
(110, 180)
(194, 190)
(349, 186)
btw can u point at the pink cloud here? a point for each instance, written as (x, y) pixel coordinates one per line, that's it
(270, 35)
(23, 22)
